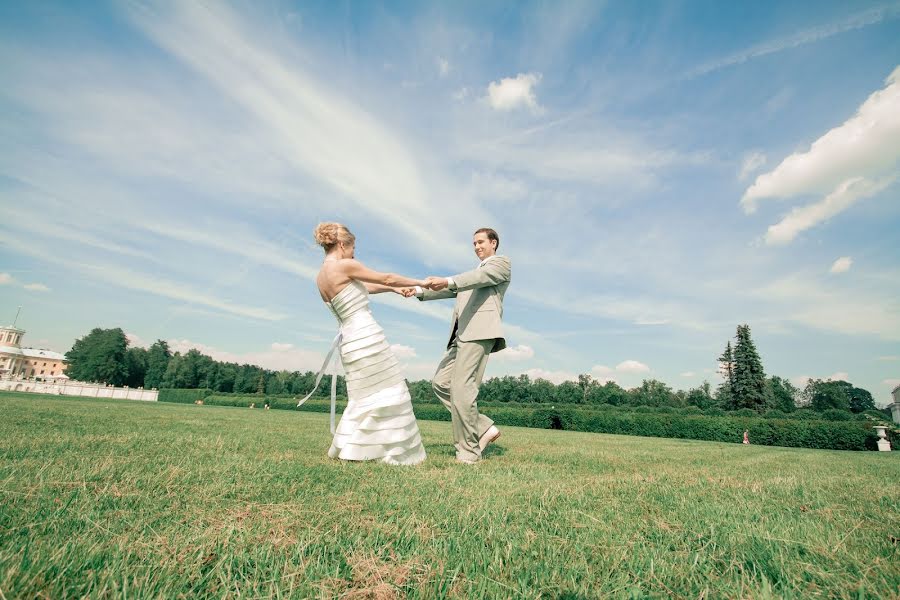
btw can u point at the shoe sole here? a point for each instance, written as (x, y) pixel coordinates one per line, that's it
(490, 441)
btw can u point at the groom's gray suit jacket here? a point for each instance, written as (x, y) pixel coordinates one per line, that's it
(479, 294)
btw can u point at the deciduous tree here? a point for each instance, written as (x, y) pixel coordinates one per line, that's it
(99, 356)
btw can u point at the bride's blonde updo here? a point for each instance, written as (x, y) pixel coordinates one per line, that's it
(329, 235)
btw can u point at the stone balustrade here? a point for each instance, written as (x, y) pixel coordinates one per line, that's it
(78, 388)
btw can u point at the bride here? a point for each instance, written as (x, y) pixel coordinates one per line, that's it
(378, 423)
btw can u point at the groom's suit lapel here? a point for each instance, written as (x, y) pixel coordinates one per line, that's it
(462, 298)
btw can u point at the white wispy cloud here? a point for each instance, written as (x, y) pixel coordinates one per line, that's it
(277, 357)
(864, 148)
(136, 341)
(317, 131)
(751, 163)
(226, 237)
(493, 186)
(801, 38)
(515, 353)
(233, 239)
(636, 308)
(36, 287)
(582, 150)
(403, 352)
(802, 299)
(802, 218)
(7, 279)
(556, 377)
(510, 93)
(443, 66)
(152, 284)
(604, 373)
(801, 380)
(632, 366)
(891, 383)
(841, 265)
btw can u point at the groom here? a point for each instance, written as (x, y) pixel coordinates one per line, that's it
(475, 334)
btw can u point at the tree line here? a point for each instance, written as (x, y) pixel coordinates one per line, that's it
(104, 355)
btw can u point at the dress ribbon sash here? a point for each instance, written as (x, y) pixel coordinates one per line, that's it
(334, 345)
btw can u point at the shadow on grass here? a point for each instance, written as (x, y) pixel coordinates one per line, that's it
(450, 450)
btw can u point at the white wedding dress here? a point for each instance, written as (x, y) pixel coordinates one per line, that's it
(378, 423)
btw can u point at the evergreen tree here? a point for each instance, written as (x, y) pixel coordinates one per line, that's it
(749, 381)
(725, 392)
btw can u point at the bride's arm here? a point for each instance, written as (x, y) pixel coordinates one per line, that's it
(356, 270)
(377, 288)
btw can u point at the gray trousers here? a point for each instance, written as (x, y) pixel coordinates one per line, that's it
(456, 384)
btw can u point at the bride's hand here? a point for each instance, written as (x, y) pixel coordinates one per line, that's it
(406, 292)
(435, 283)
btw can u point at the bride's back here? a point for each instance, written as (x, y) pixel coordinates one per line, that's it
(331, 280)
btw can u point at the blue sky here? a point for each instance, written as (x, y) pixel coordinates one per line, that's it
(658, 173)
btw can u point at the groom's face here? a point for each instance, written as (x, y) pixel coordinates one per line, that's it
(483, 246)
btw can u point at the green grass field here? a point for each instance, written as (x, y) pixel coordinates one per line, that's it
(105, 498)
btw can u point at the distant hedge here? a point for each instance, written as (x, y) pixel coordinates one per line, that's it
(802, 432)
(277, 402)
(835, 435)
(183, 396)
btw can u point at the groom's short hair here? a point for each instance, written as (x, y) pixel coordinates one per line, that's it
(492, 235)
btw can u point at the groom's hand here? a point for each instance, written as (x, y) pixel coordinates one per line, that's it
(407, 292)
(436, 283)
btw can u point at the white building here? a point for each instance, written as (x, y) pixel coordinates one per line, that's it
(894, 407)
(28, 363)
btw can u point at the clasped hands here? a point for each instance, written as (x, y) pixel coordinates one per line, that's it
(432, 283)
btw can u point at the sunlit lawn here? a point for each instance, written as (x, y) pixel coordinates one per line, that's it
(118, 498)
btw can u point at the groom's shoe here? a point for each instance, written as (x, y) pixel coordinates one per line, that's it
(489, 437)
